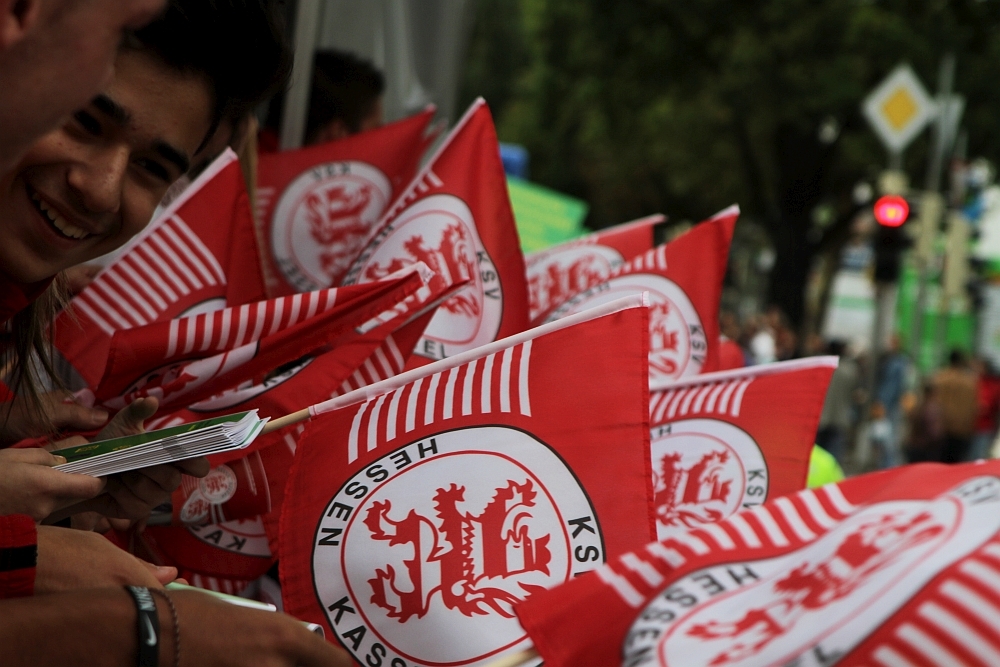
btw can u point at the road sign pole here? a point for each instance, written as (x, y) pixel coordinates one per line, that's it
(932, 209)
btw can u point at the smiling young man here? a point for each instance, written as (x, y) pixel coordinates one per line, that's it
(86, 188)
(74, 193)
(74, 43)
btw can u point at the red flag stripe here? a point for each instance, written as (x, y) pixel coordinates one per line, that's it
(496, 387)
(749, 529)
(215, 329)
(723, 398)
(154, 269)
(955, 623)
(655, 258)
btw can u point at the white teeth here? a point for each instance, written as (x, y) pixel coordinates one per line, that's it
(58, 221)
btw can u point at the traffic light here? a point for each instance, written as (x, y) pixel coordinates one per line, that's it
(891, 212)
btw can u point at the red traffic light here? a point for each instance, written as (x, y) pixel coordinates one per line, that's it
(891, 210)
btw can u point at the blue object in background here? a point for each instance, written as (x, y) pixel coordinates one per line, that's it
(515, 160)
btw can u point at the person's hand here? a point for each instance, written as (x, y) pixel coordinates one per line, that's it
(134, 494)
(69, 559)
(29, 485)
(19, 419)
(224, 635)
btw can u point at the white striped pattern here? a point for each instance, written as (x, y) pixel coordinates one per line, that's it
(795, 522)
(169, 264)
(386, 362)
(471, 389)
(653, 259)
(957, 622)
(711, 398)
(218, 584)
(232, 327)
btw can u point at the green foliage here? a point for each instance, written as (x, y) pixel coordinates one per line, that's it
(685, 106)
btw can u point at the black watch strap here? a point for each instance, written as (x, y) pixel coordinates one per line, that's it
(147, 626)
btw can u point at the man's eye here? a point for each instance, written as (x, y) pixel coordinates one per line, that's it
(156, 169)
(88, 122)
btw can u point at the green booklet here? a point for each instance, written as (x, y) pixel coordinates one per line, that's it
(175, 443)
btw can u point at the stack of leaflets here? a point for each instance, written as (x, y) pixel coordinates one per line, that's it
(211, 436)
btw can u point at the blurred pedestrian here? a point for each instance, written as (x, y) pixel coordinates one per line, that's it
(837, 418)
(955, 387)
(893, 379)
(345, 98)
(987, 409)
(881, 436)
(926, 428)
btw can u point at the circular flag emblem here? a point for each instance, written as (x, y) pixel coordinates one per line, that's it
(677, 341)
(557, 275)
(440, 231)
(172, 381)
(248, 390)
(419, 558)
(815, 604)
(322, 220)
(703, 471)
(242, 536)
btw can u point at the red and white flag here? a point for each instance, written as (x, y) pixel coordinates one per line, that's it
(900, 567)
(684, 282)
(557, 273)
(200, 255)
(233, 548)
(727, 441)
(318, 205)
(456, 217)
(189, 359)
(414, 520)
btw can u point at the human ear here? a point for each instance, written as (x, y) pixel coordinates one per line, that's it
(17, 18)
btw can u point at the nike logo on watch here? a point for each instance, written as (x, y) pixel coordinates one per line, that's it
(150, 632)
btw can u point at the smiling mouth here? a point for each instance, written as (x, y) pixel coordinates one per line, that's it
(56, 221)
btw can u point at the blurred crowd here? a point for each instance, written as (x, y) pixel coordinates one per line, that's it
(879, 412)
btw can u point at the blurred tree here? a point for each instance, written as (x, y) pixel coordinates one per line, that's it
(685, 106)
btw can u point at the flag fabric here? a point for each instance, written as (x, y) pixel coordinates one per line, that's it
(899, 567)
(193, 258)
(456, 217)
(684, 281)
(317, 205)
(185, 360)
(557, 273)
(727, 441)
(224, 544)
(414, 520)
(234, 490)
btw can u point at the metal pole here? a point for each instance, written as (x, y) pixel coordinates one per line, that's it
(930, 219)
(293, 113)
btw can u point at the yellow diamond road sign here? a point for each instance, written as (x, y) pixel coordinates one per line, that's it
(899, 108)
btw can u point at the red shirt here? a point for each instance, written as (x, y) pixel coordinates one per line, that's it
(988, 403)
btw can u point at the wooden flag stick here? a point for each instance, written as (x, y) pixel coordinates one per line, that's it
(385, 386)
(281, 422)
(515, 659)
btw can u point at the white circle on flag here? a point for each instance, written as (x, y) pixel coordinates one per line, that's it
(703, 471)
(440, 231)
(242, 536)
(556, 275)
(322, 220)
(432, 544)
(677, 341)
